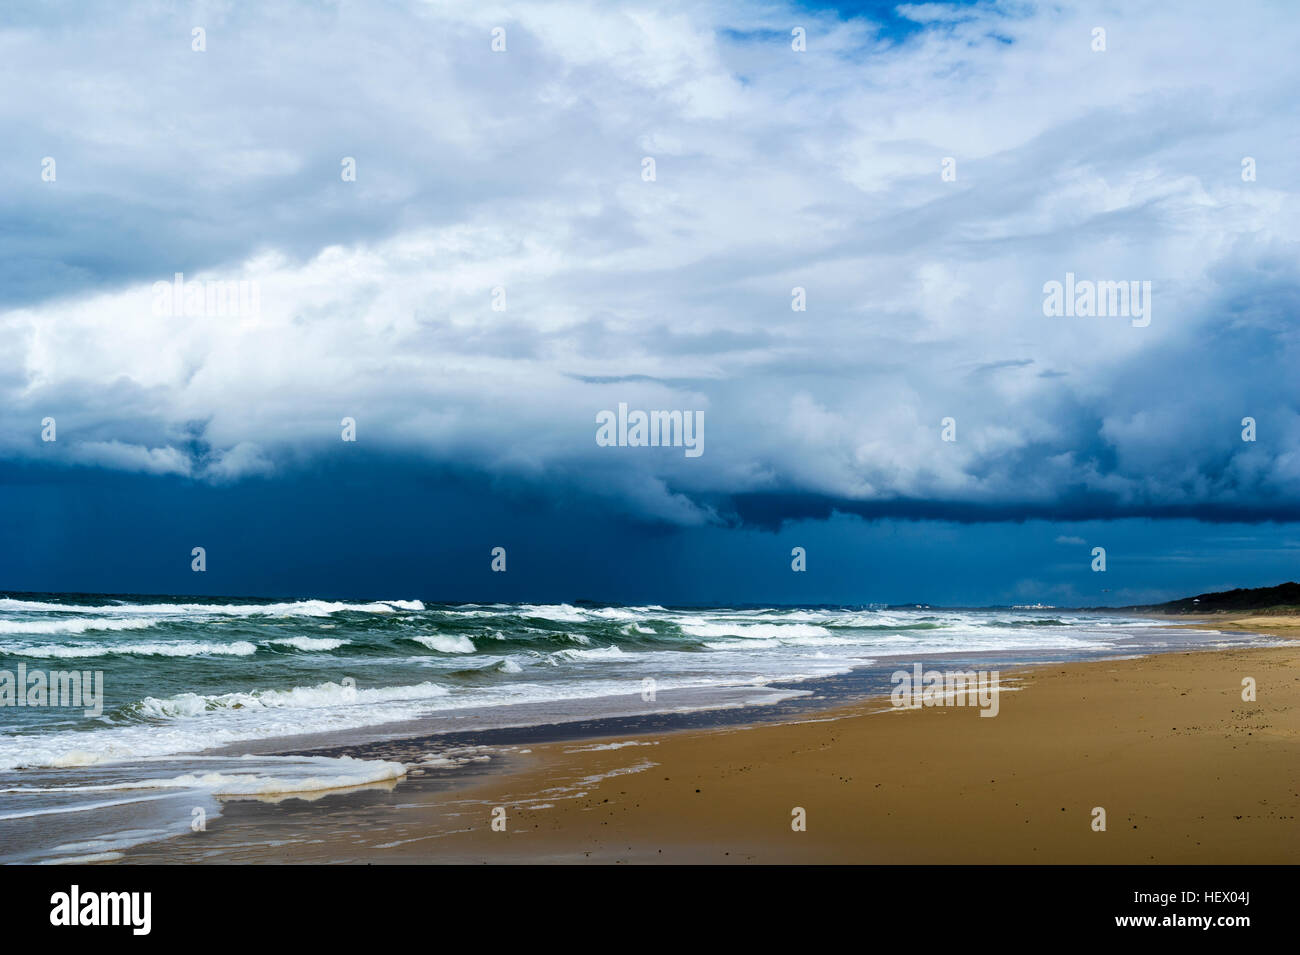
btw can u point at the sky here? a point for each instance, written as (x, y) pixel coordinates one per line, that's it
(825, 232)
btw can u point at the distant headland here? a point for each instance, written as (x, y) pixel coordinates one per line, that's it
(1284, 599)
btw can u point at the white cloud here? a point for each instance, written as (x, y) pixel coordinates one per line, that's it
(775, 169)
(243, 460)
(131, 457)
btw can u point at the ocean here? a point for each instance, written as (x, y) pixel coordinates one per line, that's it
(201, 697)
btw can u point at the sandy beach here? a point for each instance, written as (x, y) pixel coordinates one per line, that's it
(1185, 769)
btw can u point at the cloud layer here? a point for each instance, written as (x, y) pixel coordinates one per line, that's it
(522, 170)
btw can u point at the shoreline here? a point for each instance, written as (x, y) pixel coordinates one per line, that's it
(1186, 770)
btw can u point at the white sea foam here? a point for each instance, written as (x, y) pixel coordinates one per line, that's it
(599, 747)
(640, 767)
(753, 630)
(265, 776)
(184, 648)
(75, 625)
(596, 653)
(323, 695)
(310, 643)
(97, 813)
(296, 608)
(737, 644)
(445, 644)
(561, 613)
(191, 723)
